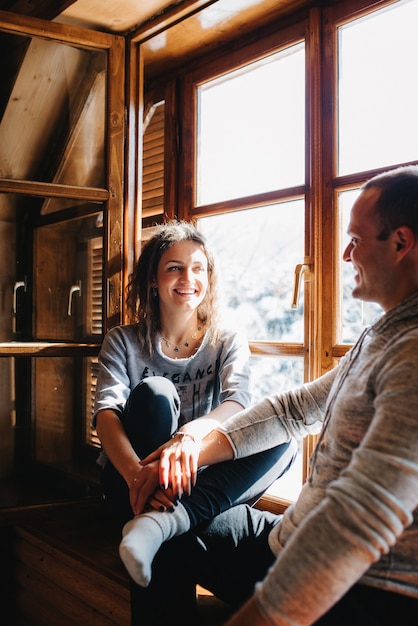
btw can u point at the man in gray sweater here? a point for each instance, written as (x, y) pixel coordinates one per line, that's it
(346, 552)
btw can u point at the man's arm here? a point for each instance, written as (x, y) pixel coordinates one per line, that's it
(248, 615)
(180, 460)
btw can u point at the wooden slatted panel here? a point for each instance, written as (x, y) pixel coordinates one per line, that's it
(95, 327)
(92, 372)
(95, 305)
(153, 162)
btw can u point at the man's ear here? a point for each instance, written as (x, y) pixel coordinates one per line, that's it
(404, 239)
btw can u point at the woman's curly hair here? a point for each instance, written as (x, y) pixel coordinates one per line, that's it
(143, 306)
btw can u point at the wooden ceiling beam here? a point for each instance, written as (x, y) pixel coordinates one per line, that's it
(172, 15)
(44, 9)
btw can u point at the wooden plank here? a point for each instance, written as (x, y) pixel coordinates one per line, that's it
(54, 391)
(74, 35)
(176, 12)
(74, 581)
(85, 538)
(46, 571)
(202, 32)
(55, 256)
(34, 511)
(57, 600)
(44, 9)
(267, 348)
(78, 159)
(43, 348)
(34, 188)
(32, 611)
(153, 191)
(118, 17)
(154, 170)
(115, 263)
(153, 151)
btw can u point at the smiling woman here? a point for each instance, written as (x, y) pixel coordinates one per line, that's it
(166, 380)
(180, 284)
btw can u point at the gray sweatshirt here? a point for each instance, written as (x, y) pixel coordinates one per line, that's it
(205, 380)
(356, 519)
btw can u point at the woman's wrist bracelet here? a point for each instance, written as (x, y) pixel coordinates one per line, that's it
(183, 435)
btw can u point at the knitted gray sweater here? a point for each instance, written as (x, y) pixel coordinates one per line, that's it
(356, 518)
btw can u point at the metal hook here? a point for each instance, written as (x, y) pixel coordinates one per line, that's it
(18, 285)
(73, 289)
(300, 269)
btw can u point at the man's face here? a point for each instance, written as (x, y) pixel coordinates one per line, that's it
(374, 261)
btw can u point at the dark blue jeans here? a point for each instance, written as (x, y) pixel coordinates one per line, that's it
(228, 556)
(150, 418)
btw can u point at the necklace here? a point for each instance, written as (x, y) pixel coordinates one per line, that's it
(186, 344)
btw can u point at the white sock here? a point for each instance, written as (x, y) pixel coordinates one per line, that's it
(143, 536)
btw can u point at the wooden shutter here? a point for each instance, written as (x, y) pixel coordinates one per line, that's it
(153, 162)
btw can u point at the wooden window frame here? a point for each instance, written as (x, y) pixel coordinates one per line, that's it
(332, 18)
(318, 27)
(290, 35)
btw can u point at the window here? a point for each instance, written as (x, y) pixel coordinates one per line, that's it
(275, 140)
(250, 203)
(377, 125)
(377, 100)
(251, 131)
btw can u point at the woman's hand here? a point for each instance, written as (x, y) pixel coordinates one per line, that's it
(144, 490)
(178, 463)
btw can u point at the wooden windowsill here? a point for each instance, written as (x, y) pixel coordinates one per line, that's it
(48, 348)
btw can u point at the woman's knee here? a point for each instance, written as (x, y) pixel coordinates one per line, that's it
(151, 414)
(154, 393)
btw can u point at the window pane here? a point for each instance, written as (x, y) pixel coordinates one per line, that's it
(251, 129)
(356, 314)
(271, 376)
(290, 484)
(257, 251)
(378, 93)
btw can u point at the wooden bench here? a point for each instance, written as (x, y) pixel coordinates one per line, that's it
(66, 571)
